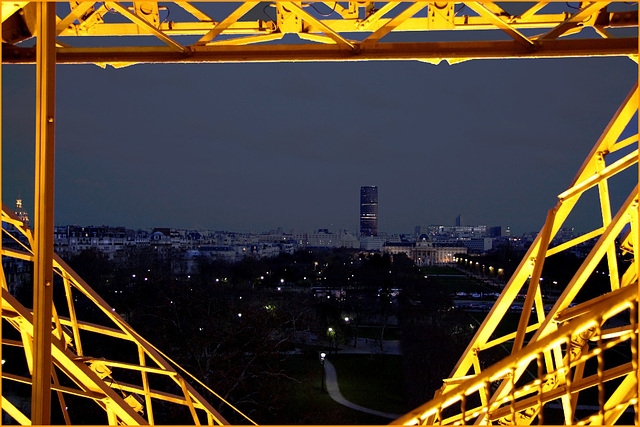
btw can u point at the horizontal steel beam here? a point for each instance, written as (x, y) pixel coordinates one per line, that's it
(424, 51)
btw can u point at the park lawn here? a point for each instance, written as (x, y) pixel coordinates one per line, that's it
(453, 280)
(373, 332)
(305, 403)
(435, 269)
(373, 381)
(463, 284)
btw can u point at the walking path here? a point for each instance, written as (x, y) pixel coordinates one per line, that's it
(334, 393)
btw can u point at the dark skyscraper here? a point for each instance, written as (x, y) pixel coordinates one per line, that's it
(369, 211)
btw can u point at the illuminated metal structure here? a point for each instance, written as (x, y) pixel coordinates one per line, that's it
(560, 354)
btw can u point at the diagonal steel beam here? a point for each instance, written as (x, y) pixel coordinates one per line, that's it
(326, 30)
(147, 26)
(600, 176)
(395, 22)
(241, 41)
(226, 23)
(575, 19)
(75, 13)
(375, 17)
(482, 10)
(194, 11)
(532, 11)
(534, 281)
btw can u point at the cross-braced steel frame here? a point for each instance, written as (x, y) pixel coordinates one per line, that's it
(561, 353)
(98, 379)
(569, 354)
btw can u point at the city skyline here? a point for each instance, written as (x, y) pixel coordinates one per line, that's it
(24, 216)
(171, 147)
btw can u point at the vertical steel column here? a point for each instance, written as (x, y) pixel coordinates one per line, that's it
(43, 226)
(635, 249)
(1, 267)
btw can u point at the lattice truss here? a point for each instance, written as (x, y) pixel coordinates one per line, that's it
(128, 379)
(564, 354)
(309, 31)
(577, 354)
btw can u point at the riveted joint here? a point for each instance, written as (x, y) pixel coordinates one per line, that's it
(602, 154)
(535, 46)
(188, 51)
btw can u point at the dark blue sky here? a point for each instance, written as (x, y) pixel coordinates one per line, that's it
(257, 146)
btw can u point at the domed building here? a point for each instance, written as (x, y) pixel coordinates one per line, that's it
(424, 251)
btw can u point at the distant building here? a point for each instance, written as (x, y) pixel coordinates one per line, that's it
(372, 243)
(499, 231)
(478, 244)
(457, 231)
(21, 213)
(424, 252)
(458, 220)
(369, 211)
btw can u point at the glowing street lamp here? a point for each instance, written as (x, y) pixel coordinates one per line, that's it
(322, 375)
(332, 336)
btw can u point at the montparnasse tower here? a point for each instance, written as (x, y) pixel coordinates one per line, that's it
(369, 211)
(21, 213)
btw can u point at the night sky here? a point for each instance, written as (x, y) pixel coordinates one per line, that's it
(252, 147)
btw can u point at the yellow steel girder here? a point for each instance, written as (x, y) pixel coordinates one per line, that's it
(93, 381)
(558, 342)
(327, 31)
(557, 345)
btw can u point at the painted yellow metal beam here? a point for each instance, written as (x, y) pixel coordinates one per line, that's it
(314, 52)
(560, 342)
(576, 19)
(43, 262)
(483, 10)
(226, 23)
(394, 23)
(146, 26)
(581, 324)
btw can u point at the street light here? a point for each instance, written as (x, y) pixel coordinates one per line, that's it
(322, 384)
(332, 337)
